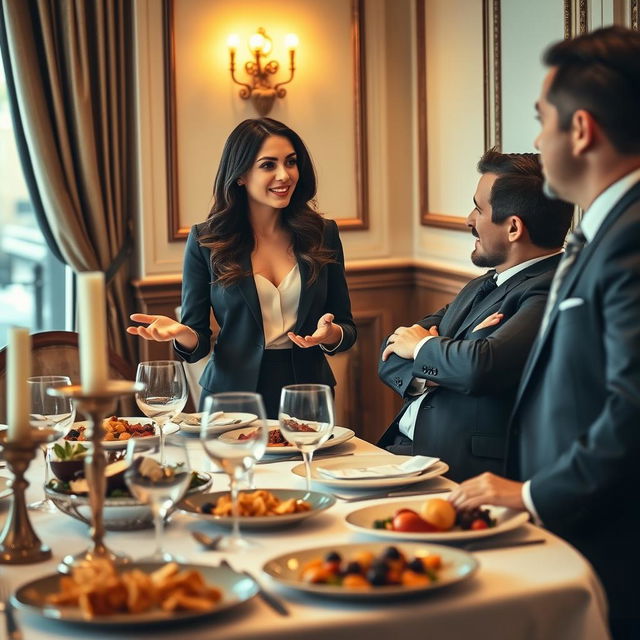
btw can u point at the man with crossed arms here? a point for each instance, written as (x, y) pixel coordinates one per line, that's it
(458, 368)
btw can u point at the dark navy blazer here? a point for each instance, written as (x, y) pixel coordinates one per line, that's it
(235, 362)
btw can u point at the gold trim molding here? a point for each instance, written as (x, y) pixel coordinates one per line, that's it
(492, 87)
(580, 26)
(175, 229)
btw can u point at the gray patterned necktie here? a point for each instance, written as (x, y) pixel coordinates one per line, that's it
(575, 243)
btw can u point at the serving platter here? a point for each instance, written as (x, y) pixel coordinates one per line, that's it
(362, 519)
(237, 588)
(339, 435)
(457, 565)
(192, 504)
(168, 429)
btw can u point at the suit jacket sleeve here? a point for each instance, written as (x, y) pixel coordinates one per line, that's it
(486, 361)
(338, 302)
(397, 372)
(602, 464)
(196, 301)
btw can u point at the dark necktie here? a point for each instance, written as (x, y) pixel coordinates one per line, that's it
(488, 285)
(575, 243)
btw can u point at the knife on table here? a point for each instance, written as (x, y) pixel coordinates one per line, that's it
(392, 494)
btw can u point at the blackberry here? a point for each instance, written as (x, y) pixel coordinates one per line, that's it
(333, 556)
(391, 553)
(416, 566)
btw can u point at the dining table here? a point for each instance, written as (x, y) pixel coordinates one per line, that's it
(538, 592)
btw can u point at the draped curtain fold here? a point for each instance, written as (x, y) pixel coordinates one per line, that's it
(69, 66)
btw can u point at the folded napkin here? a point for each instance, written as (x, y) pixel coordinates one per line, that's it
(412, 467)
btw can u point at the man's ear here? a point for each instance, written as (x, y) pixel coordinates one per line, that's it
(583, 131)
(516, 228)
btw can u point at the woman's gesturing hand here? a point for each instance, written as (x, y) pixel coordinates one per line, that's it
(328, 334)
(163, 329)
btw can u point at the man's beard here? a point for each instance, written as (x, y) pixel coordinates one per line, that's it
(489, 260)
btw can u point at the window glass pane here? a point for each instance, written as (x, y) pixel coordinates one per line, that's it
(32, 280)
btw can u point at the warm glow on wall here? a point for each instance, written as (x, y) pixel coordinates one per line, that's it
(261, 92)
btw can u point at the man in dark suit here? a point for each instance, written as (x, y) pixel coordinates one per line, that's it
(574, 437)
(458, 369)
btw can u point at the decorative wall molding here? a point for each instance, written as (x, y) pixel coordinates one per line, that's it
(177, 231)
(633, 15)
(491, 44)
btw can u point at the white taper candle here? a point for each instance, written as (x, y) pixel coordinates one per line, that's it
(92, 323)
(18, 370)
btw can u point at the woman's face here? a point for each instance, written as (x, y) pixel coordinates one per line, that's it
(273, 176)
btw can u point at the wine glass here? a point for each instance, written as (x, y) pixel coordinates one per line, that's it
(306, 418)
(234, 455)
(51, 413)
(165, 392)
(159, 478)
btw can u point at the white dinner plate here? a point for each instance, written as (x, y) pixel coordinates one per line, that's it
(168, 429)
(362, 520)
(340, 435)
(457, 565)
(358, 461)
(5, 489)
(236, 588)
(319, 502)
(245, 418)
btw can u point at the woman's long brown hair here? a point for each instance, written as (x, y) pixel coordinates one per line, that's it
(228, 233)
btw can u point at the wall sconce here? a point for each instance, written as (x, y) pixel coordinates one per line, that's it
(261, 92)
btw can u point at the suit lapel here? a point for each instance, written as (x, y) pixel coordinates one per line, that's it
(247, 287)
(458, 310)
(569, 281)
(306, 295)
(480, 312)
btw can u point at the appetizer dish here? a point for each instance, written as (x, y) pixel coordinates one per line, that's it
(258, 503)
(115, 429)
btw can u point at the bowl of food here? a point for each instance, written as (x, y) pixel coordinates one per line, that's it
(122, 512)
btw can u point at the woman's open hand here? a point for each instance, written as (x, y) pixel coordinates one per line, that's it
(328, 334)
(163, 329)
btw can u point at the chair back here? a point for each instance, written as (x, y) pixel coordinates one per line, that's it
(56, 353)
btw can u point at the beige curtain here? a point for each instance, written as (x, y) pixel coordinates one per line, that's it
(72, 65)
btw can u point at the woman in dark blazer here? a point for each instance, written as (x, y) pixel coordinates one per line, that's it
(270, 267)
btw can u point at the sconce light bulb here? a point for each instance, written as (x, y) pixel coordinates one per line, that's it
(232, 42)
(257, 43)
(291, 41)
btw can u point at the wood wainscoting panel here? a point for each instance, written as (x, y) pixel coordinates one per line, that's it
(383, 297)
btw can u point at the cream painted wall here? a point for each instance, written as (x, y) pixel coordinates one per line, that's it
(319, 107)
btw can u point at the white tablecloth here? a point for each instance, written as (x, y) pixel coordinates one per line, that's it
(543, 592)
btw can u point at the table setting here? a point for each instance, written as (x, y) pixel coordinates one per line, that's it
(205, 529)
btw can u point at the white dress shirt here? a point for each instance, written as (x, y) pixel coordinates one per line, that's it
(279, 307)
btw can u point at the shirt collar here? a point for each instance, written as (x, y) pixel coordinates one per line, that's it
(595, 215)
(503, 276)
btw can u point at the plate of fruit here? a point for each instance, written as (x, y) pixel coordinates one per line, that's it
(435, 519)
(371, 570)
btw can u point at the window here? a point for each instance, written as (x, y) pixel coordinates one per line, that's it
(32, 281)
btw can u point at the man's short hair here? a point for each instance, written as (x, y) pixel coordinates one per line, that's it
(518, 192)
(600, 72)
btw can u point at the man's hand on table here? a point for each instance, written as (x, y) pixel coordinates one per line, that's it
(488, 488)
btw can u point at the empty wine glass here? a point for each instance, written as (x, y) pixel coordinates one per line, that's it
(159, 479)
(165, 392)
(48, 413)
(306, 419)
(232, 454)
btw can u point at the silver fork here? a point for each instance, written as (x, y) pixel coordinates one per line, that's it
(13, 631)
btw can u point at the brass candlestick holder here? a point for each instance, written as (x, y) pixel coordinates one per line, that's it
(96, 406)
(19, 543)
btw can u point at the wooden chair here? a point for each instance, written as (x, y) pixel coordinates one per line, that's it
(56, 353)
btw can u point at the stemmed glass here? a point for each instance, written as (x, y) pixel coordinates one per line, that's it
(165, 392)
(52, 413)
(233, 455)
(306, 419)
(159, 479)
